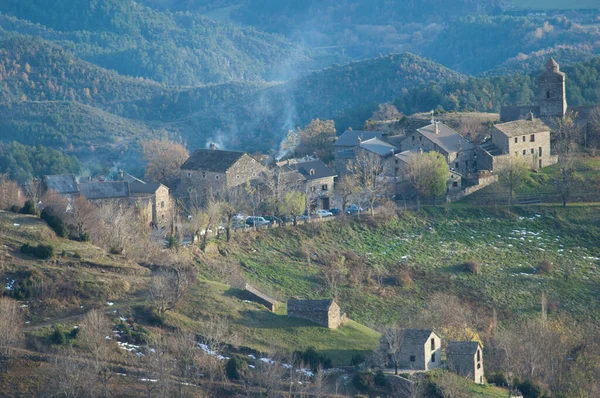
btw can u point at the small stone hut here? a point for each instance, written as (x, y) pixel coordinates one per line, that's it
(466, 359)
(261, 298)
(322, 312)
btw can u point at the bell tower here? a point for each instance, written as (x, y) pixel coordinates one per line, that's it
(552, 96)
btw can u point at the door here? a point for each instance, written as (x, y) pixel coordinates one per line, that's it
(325, 203)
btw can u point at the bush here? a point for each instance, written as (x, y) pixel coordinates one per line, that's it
(529, 389)
(40, 251)
(58, 337)
(497, 378)
(29, 208)
(544, 267)
(472, 267)
(404, 278)
(379, 378)
(56, 223)
(363, 381)
(14, 209)
(173, 242)
(312, 359)
(235, 368)
(149, 315)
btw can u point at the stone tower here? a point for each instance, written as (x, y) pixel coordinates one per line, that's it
(552, 96)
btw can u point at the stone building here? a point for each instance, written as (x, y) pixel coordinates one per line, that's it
(439, 137)
(389, 164)
(526, 138)
(466, 359)
(211, 172)
(261, 298)
(312, 177)
(346, 143)
(64, 184)
(420, 349)
(551, 97)
(322, 312)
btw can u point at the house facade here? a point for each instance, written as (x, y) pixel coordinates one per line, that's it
(439, 137)
(322, 312)
(312, 177)
(346, 143)
(420, 349)
(211, 172)
(465, 358)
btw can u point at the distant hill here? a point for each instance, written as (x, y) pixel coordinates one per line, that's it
(177, 49)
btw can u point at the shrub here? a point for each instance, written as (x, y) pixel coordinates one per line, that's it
(363, 381)
(149, 315)
(58, 337)
(544, 267)
(40, 251)
(172, 242)
(472, 267)
(311, 358)
(56, 223)
(404, 278)
(497, 378)
(235, 368)
(29, 208)
(116, 250)
(14, 209)
(379, 378)
(529, 389)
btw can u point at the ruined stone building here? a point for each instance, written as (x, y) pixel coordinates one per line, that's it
(322, 312)
(466, 359)
(420, 349)
(152, 200)
(528, 139)
(310, 176)
(439, 137)
(211, 173)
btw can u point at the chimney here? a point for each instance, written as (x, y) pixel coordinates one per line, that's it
(436, 127)
(213, 146)
(530, 116)
(121, 175)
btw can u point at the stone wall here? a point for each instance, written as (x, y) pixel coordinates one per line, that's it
(245, 169)
(331, 319)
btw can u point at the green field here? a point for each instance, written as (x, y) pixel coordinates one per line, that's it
(557, 4)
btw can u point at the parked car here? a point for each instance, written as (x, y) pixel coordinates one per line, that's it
(256, 221)
(239, 218)
(272, 219)
(335, 211)
(353, 209)
(324, 213)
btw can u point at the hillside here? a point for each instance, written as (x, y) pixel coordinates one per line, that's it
(176, 49)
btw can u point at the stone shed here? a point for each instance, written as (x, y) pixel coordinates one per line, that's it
(466, 359)
(261, 298)
(420, 349)
(322, 312)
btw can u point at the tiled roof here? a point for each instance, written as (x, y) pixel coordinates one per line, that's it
(446, 138)
(137, 187)
(522, 127)
(63, 184)
(309, 305)
(462, 348)
(212, 160)
(352, 138)
(104, 190)
(313, 169)
(379, 147)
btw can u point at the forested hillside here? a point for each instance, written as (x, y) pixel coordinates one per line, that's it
(176, 49)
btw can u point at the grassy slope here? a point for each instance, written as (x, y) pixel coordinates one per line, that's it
(436, 243)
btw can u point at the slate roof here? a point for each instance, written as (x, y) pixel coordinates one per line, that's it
(63, 184)
(309, 305)
(318, 166)
(379, 147)
(350, 138)
(138, 187)
(105, 190)
(446, 138)
(406, 156)
(416, 336)
(212, 160)
(522, 127)
(462, 348)
(131, 179)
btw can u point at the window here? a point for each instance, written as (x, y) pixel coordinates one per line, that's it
(312, 172)
(524, 152)
(413, 137)
(324, 187)
(237, 177)
(420, 138)
(478, 356)
(433, 344)
(478, 366)
(540, 150)
(516, 140)
(532, 138)
(189, 190)
(456, 165)
(413, 358)
(524, 138)
(189, 174)
(204, 174)
(532, 151)
(457, 156)
(216, 177)
(162, 204)
(163, 216)
(548, 94)
(455, 184)
(433, 357)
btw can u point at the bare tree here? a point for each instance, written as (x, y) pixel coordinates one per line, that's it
(34, 190)
(164, 158)
(213, 218)
(93, 334)
(71, 376)
(368, 169)
(392, 339)
(82, 214)
(333, 274)
(568, 177)
(316, 137)
(170, 286)
(451, 385)
(158, 365)
(385, 112)
(10, 193)
(186, 366)
(11, 321)
(346, 189)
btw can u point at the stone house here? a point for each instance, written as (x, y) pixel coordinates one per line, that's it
(212, 172)
(526, 138)
(156, 199)
(322, 312)
(64, 184)
(420, 349)
(312, 177)
(345, 144)
(466, 359)
(386, 152)
(439, 137)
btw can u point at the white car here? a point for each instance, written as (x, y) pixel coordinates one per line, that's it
(324, 213)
